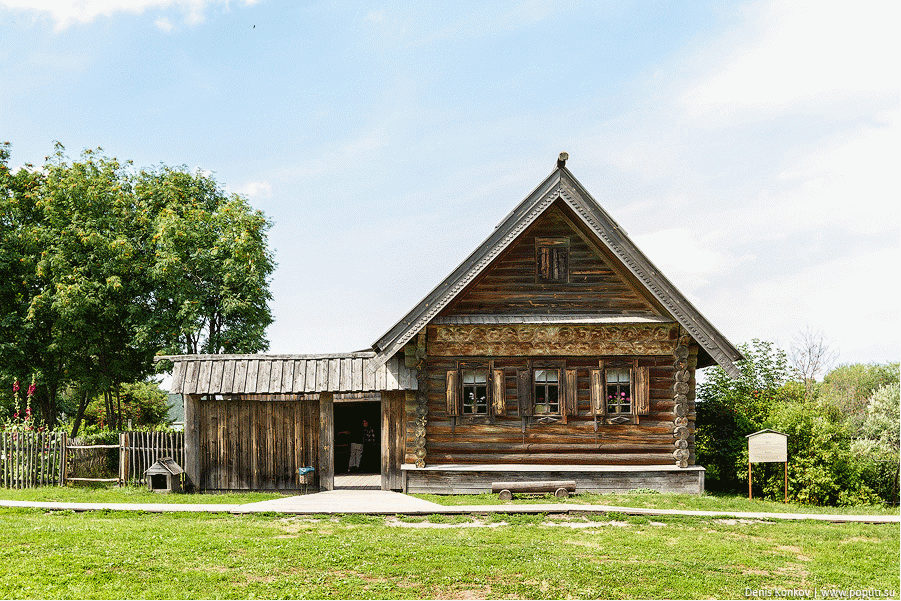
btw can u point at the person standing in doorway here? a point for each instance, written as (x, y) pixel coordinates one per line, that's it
(369, 462)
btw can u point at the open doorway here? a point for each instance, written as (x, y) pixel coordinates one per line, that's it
(350, 431)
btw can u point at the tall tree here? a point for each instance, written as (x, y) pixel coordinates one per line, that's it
(102, 268)
(212, 263)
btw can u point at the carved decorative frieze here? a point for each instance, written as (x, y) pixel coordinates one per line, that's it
(538, 340)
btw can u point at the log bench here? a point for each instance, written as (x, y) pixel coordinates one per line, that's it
(560, 488)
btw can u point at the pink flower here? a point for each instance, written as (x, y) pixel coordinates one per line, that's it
(31, 389)
(16, 386)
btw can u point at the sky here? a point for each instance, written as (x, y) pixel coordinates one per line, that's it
(750, 149)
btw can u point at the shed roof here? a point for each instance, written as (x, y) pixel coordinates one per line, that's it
(562, 186)
(164, 465)
(287, 374)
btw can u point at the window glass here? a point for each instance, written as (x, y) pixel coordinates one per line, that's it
(475, 391)
(547, 391)
(619, 393)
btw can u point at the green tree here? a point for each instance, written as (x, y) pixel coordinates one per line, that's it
(102, 268)
(730, 409)
(849, 387)
(144, 405)
(212, 263)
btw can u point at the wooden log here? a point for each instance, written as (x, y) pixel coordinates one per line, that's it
(535, 486)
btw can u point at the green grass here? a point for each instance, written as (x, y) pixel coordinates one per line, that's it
(130, 555)
(126, 494)
(705, 502)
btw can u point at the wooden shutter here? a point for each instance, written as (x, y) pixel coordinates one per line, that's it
(642, 391)
(598, 403)
(453, 393)
(570, 392)
(524, 391)
(499, 392)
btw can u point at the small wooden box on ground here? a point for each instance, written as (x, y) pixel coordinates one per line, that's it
(560, 488)
(164, 476)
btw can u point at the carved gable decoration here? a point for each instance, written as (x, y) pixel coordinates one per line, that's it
(550, 340)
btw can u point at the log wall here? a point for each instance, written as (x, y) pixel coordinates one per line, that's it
(510, 285)
(514, 439)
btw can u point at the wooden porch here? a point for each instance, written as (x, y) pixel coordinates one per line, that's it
(477, 478)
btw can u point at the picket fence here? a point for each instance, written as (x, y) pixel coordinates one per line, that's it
(30, 459)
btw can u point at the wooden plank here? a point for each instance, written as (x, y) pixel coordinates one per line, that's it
(346, 374)
(192, 441)
(300, 373)
(216, 376)
(263, 376)
(326, 442)
(356, 383)
(287, 385)
(228, 377)
(334, 375)
(253, 369)
(239, 384)
(203, 377)
(321, 375)
(368, 376)
(190, 383)
(275, 376)
(178, 376)
(311, 370)
(392, 373)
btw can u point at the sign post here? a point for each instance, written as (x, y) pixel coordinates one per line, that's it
(767, 446)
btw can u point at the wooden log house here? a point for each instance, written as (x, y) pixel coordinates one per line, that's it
(555, 351)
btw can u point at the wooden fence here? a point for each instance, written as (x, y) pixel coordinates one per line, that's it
(139, 450)
(30, 459)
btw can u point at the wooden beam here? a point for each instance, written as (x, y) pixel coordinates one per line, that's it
(326, 441)
(192, 442)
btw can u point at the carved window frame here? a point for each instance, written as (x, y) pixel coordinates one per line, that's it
(639, 391)
(495, 391)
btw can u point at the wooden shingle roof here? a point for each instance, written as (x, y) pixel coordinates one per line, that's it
(562, 186)
(287, 374)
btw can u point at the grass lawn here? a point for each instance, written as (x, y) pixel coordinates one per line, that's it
(126, 494)
(705, 502)
(139, 555)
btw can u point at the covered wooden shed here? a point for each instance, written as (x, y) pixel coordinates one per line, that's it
(555, 351)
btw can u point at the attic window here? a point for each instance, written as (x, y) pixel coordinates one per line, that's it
(552, 259)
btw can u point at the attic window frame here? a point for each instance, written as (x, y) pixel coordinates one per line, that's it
(557, 255)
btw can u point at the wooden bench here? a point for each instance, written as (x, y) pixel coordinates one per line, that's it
(560, 488)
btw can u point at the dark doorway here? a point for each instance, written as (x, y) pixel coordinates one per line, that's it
(349, 419)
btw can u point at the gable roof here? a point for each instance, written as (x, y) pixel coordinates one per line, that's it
(562, 186)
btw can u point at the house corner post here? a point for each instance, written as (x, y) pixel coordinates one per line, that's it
(682, 377)
(422, 401)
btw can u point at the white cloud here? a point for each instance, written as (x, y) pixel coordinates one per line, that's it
(164, 24)
(802, 56)
(65, 14)
(255, 189)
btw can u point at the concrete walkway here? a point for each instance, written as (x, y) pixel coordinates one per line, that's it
(379, 502)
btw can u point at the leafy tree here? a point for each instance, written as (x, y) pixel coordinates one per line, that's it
(728, 410)
(144, 404)
(879, 441)
(212, 264)
(849, 387)
(822, 470)
(102, 268)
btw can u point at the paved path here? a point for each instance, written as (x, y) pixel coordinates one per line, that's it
(378, 502)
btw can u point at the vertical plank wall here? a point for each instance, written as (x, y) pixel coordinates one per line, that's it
(255, 445)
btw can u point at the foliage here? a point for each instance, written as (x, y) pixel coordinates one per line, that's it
(877, 445)
(849, 387)
(144, 405)
(211, 263)
(728, 410)
(102, 268)
(822, 470)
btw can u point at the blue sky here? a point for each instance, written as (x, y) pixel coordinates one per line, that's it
(749, 148)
